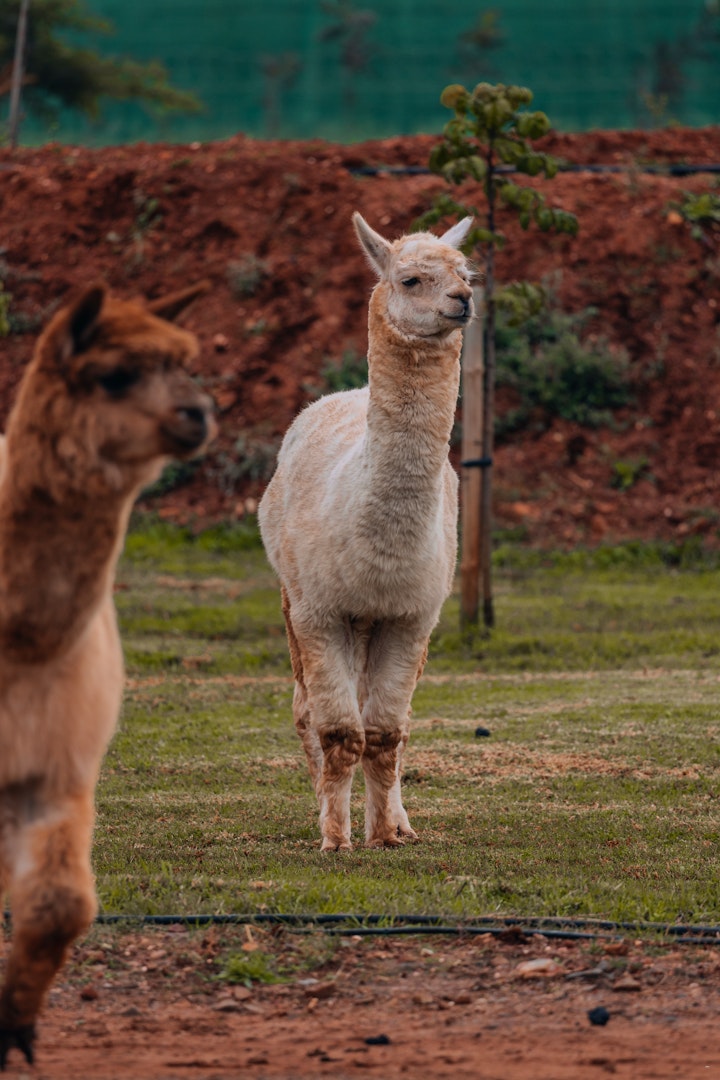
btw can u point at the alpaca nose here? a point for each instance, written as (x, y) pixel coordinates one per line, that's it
(193, 423)
(464, 302)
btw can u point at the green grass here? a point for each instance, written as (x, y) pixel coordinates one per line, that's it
(596, 793)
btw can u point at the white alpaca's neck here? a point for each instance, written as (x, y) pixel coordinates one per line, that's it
(413, 395)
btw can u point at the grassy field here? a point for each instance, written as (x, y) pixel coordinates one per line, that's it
(596, 793)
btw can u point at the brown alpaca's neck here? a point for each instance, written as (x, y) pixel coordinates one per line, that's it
(57, 559)
(414, 385)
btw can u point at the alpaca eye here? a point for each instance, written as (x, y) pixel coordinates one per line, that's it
(409, 282)
(118, 382)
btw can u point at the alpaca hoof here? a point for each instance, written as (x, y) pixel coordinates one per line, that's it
(408, 834)
(22, 1038)
(333, 845)
(390, 841)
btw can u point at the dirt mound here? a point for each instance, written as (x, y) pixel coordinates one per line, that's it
(269, 224)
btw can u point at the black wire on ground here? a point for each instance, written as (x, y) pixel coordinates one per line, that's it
(655, 170)
(409, 925)
(508, 927)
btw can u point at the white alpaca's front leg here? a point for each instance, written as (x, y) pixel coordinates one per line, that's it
(396, 659)
(333, 734)
(397, 810)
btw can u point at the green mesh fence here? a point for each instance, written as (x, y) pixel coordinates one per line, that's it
(292, 69)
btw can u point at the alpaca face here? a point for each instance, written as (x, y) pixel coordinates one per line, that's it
(115, 398)
(429, 291)
(425, 279)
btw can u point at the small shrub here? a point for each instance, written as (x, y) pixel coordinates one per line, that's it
(701, 211)
(245, 274)
(5, 299)
(251, 459)
(350, 373)
(625, 474)
(247, 968)
(555, 373)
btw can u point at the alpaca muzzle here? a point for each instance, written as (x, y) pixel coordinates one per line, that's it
(190, 427)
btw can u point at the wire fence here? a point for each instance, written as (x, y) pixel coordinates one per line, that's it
(374, 68)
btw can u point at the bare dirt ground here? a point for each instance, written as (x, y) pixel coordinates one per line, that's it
(148, 1005)
(269, 225)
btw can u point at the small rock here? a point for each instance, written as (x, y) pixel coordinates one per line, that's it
(617, 948)
(321, 990)
(481, 732)
(89, 993)
(228, 1005)
(377, 1040)
(599, 1016)
(626, 982)
(423, 999)
(220, 343)
(542, 968)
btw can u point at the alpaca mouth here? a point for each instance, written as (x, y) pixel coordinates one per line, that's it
(463, 317)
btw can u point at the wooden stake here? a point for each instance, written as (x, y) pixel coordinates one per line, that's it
(17, 75)
(472, 364)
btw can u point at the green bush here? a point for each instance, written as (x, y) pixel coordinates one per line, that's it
(557, 374)
(350, 373)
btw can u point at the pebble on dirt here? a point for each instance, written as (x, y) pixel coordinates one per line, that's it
(598, 1016)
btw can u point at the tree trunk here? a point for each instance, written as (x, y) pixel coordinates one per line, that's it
(17, 75)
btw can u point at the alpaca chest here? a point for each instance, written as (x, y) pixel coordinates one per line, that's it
(57, 718)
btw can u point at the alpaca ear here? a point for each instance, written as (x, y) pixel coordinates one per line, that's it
(169, 307)
(83, 319)
(375, 246)
(72, 330)
(457, 234)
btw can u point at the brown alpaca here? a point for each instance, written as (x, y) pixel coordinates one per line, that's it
(104, 403)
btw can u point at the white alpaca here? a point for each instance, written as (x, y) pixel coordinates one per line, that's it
(105, 402)
(360, 522)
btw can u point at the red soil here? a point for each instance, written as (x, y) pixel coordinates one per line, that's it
(149, 1005)
(70, 215)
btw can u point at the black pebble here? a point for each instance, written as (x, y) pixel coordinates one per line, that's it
(599, 1016)
(481, 732)
(377, 1040)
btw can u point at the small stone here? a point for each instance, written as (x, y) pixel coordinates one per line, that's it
(423, 999)
(598, 1016)
(377, 1040)
(482, 732)
(617, 948)
(542, 968)
(627, 983)
(89, 993)
(220, 343)
(228, 1005)
(321, 990)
